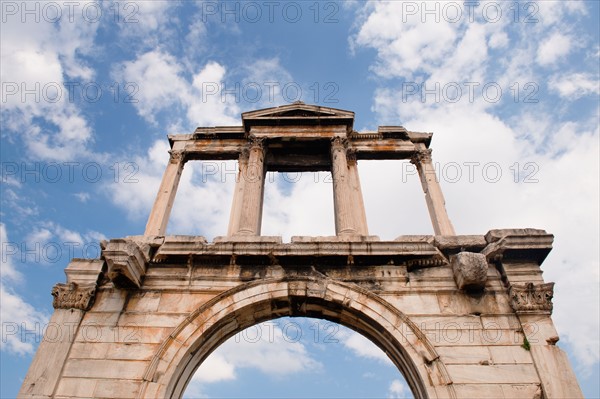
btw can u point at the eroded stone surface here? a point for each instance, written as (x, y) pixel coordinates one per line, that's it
(470, 270)
(138, 321)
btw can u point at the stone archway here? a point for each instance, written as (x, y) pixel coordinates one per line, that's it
(185, 296)
(213, 323)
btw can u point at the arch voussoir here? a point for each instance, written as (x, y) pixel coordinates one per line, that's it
(232, 311)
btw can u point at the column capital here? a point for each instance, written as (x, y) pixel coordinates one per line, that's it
(73, 296)
(255, 142)
(421, 156)
(177, 156)
(531, 298)
(337, 142)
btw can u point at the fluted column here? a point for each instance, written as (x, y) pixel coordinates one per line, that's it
(342, 195)
(358, 205)
(433, 192)
(161, 210)
(252, 190)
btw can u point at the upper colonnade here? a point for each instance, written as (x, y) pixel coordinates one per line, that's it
(298, 138)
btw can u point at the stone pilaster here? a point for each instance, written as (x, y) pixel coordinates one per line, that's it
(70, 302)
(159, 216)
(250, 213)
(433, 192)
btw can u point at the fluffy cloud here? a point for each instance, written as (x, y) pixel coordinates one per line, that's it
(362, 347)
(163, 86)
(575, 85)
(553, 48)
(39, 59)
(19, 319)
(535, 149)
(398, 389)
(265, 347)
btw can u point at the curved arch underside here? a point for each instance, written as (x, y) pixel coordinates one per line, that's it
(174, 364)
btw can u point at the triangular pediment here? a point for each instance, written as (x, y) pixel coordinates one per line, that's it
(298, 112)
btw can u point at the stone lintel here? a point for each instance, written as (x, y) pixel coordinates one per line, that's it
(84, 271)
(338, 250)
(521, 245)
(126, 262)
(497, 234)
(344, 238)
(415, 238)
(250, 239)
(469, 242)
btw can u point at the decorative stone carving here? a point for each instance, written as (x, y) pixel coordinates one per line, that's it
(531, 298)
(470, 270)
(126, 263)
(421, 156)
(176, 156)
(338, 141)
(73, 296)
(255, 142)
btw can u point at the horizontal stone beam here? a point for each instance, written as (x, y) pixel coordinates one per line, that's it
(230, 148)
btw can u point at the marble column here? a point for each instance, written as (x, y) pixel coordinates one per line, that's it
(358, 205)
(433, 192)
(238, 194)
(159, 216)
(345, 222)
(249, 202)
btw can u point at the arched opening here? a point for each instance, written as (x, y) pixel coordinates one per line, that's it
(219, 319)
(298, 202)
(297, 357)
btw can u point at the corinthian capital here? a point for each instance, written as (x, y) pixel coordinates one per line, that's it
(73, 296)
(176, 156)
(337, 142)
(421, 156)
(256, 142)
(531, 298)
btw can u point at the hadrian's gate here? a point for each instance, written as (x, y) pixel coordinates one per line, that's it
(460, 316)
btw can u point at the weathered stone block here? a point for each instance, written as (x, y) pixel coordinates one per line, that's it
(470, 270)
(126, 262)
(531, 298)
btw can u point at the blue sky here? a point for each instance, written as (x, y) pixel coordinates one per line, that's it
(90, 90)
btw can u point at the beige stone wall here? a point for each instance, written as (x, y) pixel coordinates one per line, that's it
(146, 342)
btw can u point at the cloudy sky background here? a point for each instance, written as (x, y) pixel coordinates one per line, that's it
(90, 90)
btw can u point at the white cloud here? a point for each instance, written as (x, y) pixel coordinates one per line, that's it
(82, 197)
(50, 243)
(157, 75)
(536, 142)
(575, 85)
(362, 347)
(163, 86)
(498, 40)
(38, 59)
(298, 204)
(214, 369)
(553, 48)
(145, 24)
(17, 317)
(398, 389)
(266, 347)
(404, 44)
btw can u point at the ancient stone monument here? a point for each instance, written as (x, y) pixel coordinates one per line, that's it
(460, 316)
